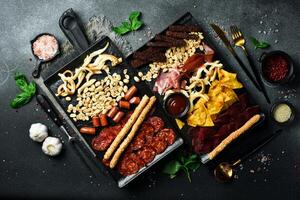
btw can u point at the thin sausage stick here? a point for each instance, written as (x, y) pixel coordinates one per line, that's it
(253, 120)
(131, 135)
(126, 128)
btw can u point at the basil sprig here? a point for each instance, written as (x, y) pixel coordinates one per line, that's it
(185, 163)
(259, 45)
(133, 24)
(28, 90)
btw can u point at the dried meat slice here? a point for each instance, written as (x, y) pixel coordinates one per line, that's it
(157, 123)
(137, 143)
(128, 166)
(168, 135)
(147, 154)
(158, 144)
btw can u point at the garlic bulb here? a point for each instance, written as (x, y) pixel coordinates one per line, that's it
(38, 132)
(52, 146)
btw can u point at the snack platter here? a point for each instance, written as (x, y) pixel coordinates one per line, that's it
(188, 19)
(60, 85)
(53, 82)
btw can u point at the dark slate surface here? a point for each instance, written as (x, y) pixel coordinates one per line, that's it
(25, 172)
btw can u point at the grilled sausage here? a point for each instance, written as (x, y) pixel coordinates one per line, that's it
(88, 130)
(124, 104)
(103, 120)
(131, 91)
(112, 112)
(96, 121)
(135, 100)
(118, 116)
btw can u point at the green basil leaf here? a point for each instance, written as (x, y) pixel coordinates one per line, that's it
(21, 81)
(31, 88)
(19, 75)
(136, 24)
(134, 15)
(193, 166)
(172, 167)
(263, 45)
(172, 176)
(120, 30)
(254, 41)
(187, 173)
(193, 157)
(126, 25)
(20, 100)
(259, 45)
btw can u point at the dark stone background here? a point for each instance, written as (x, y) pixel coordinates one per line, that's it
(25, 172)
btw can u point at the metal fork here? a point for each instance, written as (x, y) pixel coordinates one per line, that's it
(240, 41)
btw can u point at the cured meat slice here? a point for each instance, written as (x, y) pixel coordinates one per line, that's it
(168, 80)
(158, 145)
(105, 138)
(184, 28)
(102, 141)
(136, 158)
(147, 131)
(209, 53)
(147, 154)
(128, 166)
(157, 123)
(137, 143)
(181, 35)
(168, 135)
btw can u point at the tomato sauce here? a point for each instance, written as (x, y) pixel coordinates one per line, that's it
(176, 104)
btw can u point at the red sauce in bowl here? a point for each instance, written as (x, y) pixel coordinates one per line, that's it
(275, 67)
(177, 105)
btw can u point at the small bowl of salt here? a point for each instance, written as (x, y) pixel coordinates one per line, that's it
(283, 112)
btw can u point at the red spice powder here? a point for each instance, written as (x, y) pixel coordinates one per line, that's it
(275, 67)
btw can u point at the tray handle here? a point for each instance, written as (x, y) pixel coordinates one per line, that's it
(72, 27)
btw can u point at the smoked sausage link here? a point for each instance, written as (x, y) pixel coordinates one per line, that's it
(88, 130)
(131, 91)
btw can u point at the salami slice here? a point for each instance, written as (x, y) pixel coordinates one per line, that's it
(128, 166)
(137, 159)
(102, 142)
(147, 154)
(147, 131)
(105, 138)
(137, 143)
(167, 135)
(159, 145)
(157, 123)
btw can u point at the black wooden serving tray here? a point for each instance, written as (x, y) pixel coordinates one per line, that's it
(188, 19)
(53, 81)
(231, 152)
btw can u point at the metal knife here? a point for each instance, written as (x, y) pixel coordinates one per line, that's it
(48, 108)
(221, 34)
(79, 147)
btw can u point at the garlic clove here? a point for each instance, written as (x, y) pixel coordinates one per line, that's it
(52, 146)
(38, 132)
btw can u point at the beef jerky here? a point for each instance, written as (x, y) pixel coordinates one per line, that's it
(160, 44)
(184, 28)
(174, 41)
(181, 35)
(136, 63)
(148, 51)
